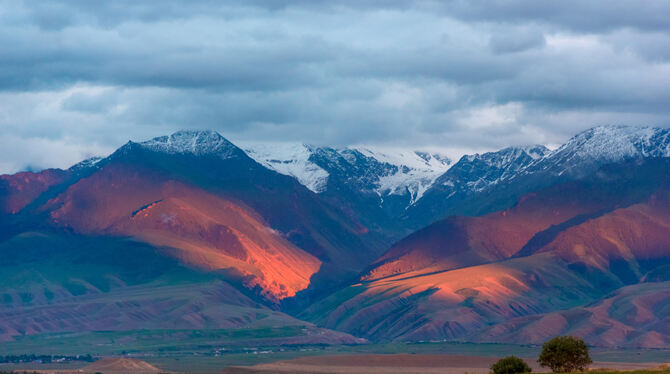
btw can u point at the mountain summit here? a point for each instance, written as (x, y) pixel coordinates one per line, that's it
(605, 144)
(382, 172)
(196, 142)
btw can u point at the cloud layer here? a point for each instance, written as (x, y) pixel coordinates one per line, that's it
(79, 78)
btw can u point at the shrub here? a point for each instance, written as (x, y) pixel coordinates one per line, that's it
(510, 365)
(565, 354)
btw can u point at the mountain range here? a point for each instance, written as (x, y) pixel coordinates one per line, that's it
(191, 231)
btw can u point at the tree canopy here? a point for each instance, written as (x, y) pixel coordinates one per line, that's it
(564, 354)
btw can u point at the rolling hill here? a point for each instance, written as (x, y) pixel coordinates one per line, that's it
(558, 249)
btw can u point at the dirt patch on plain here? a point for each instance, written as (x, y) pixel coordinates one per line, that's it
(120, 365)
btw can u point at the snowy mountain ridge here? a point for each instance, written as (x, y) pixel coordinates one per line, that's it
(604, 144)
(87, 163)
(196, 142)
(390, 171)
(290, 159)
(416, 170)
(387, 171)
(580, 154)
(479, 171)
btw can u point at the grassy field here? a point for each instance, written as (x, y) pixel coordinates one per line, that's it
(198, 351)
(105, 343)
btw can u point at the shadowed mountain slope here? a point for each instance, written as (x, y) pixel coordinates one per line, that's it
(204, 201)
(55, 282)
(633, 316)
(465, 241)
(494, 181)
(573, 244)
(203, 230)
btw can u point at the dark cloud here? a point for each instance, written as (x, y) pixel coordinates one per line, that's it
(575, 15)
(514, 42)
(79, 77)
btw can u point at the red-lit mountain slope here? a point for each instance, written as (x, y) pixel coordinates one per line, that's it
(626, 241)
(123, 291)
(457, 242)
(18, 190)
(202, 229)
(204, 201)
(520, 265)
(633, 316)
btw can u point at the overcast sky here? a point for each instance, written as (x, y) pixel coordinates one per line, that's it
(80, 78)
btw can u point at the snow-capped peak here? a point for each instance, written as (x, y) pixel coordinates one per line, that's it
(193, 142)
(415, 171)
(384, 171)
(604, 144)
(617, 142)
(480, 171)
(290, 159)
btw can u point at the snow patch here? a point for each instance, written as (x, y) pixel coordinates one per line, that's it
(613, 143)
(290, 159)
(604, 144)
(89, 162)
(416, 170)
(193, 142)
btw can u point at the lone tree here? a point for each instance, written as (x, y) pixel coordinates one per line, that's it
(564, 354)
(510, 365)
